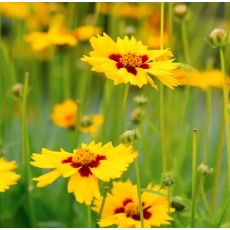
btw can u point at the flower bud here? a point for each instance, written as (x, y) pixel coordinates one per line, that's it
(137, 115)
(86, 121)
(130, 30)
(17, 89)
(178, 203)
(181, 11)
(140, 99)
(205, 169)
(129, 137)
(218, 37)
(168, 179)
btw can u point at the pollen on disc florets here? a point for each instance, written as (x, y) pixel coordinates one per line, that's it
(84, 157)
(131, 209)
(131, 60)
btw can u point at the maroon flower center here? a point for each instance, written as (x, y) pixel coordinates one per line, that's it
(130, 61)
(84, 160)
(132, 210)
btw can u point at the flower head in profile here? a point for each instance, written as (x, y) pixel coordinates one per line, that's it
(129, 61)
(84, 33)
(57, 35)
(84, 167)
(7, 176)
(121, 207)
(91, 123)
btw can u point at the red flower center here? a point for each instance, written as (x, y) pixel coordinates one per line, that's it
(132, 210)
(130, 61)
(83, 160)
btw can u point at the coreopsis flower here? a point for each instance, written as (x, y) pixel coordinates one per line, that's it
(84, 33)
(7, 176)
(201, 79)
(91, 123)
(84, 167)
(64, 114)
(19, 10)
(57, 35)
(129, 61)
(121, 207)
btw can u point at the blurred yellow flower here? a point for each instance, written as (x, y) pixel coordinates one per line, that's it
(57, 35)
(7, 176)
(64, 114)
(84, 33)
(121, 207)
(201, 79)
(84, 167)
(91, 123)
(129, 61)
(18, 10)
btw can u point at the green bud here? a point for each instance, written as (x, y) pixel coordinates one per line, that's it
(205, 169)
(17, 89)
(181, 11)
(140, 100)
(218, 37)
(129, 137)
(86, 121)
(137, 115)
(168, 179)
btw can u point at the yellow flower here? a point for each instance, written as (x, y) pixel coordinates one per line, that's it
(18, 10)
(64, 114)
(84, 167)
(84, 33)
(121, 207)
(57, 35)
(91, 123)
(129, 61)
(201, 79)
(7, 176)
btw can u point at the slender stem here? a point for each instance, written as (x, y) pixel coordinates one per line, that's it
(26, 152)
(203, 195)
(106, 186)
(124, 104)
(89, 216)
(184, 37)
(208, 122)
(170, 22)
(139, 192)
(194, 176)
(218, 166)
(226, 116)
(161, 97)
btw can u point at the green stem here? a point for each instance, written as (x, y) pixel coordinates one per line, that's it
(89, 216)
(226, 117)
(208, 122)
(184, 37)
(203, 195)
(161, 97)
(218, 166)
(139, 192)
(26, 152)
(106, 186)
(194, 176)
(124, 104)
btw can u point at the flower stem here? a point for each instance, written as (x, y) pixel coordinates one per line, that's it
(226, 117)
(89, 216)
(124, 104)
(162, 122)
(139, 192)
(217, 166)
(26, 153)
(194, 176)
(184, 37)
(106, 186)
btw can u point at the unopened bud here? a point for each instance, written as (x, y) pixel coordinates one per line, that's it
(140, 99)
(17, 89)
(86, 121)
(129, 137)
(137, 115)
(205, 169)
(168, 179)
(130, 30)
(218, 37)
(181, 10)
